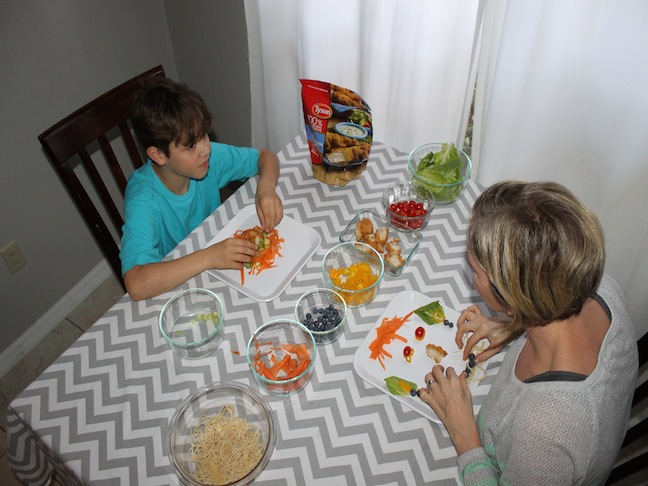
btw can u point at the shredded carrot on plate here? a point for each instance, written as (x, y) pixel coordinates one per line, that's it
(268, 246)
(386, 333)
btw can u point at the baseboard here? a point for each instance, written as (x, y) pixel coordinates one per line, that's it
(53, 317)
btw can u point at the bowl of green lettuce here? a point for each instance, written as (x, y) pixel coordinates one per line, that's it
(442, 168)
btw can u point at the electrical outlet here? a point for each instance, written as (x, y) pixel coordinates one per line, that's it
(13, 257)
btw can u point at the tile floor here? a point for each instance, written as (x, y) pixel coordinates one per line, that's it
(50, 348)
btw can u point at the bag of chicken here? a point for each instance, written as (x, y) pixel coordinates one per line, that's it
(338, 129)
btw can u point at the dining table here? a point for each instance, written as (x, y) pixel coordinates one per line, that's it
(100, 413)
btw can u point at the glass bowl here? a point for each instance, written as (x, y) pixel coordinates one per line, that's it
(192, 323)
(281, 356)
(444, 193)
(408, 241)
(323, 312)
(357, 268)
(417, 201)
(214, 402)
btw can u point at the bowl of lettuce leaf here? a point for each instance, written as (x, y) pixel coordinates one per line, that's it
(442, 168)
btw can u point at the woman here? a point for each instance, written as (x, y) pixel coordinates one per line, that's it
(559, 407)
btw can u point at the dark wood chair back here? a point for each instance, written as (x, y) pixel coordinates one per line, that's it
(632, 466)
(67, 145)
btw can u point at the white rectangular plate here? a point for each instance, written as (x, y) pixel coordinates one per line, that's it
(300, 242)
(439, 334)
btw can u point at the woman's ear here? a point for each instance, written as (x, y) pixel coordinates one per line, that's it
(156, 155)
(498, 296)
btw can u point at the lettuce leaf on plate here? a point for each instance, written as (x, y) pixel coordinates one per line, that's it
(431, 313)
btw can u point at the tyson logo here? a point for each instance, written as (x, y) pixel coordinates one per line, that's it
(322, 111)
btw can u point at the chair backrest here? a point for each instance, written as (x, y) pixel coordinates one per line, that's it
(632, 466)
(67, 145)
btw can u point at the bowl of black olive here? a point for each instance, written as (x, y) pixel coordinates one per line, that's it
(323, 312)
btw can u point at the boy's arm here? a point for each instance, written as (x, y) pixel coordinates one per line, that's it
(268, 204)
(146, 281)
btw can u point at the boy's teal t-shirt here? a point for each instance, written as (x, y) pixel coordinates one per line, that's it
(156, 219)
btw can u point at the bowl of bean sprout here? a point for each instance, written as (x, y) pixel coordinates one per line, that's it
(191, 323)
(223, 433)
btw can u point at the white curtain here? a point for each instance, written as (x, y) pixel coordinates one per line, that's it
(410, 61)
(562, 93)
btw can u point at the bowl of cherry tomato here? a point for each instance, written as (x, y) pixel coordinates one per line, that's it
(408, 205)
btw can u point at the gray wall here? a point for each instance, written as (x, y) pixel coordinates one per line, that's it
(54, 57)
(209, 41)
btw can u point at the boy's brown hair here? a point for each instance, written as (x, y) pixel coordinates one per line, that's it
(165, 111)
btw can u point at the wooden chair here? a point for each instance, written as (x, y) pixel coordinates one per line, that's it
(632, 466)
(70, 143)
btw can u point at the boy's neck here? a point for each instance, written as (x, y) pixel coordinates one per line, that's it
(173, 182)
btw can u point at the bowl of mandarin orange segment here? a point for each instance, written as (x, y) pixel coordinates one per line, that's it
(354, 270)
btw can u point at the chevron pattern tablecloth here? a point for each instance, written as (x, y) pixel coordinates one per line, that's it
(100, 413)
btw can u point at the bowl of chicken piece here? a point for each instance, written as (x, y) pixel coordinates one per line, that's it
(396, 246)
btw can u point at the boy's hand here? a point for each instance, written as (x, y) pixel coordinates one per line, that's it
(269, 208)
(231, 253)
(146, 281)
(268, 204)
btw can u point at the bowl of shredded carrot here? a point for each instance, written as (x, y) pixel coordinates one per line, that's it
(223, 433)
(191, 323)
(354, 270)
(281, 355)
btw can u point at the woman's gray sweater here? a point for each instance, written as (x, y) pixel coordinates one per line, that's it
(558, 432)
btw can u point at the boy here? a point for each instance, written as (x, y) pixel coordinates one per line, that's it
(178, 188)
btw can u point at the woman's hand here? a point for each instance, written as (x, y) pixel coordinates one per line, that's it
(478, 327)
(448, 395)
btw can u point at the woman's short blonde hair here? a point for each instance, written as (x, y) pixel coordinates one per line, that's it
(541, 248)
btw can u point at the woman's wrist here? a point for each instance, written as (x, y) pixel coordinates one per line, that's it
(465, 439)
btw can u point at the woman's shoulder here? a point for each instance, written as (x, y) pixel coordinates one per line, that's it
(622, 333)
(609, 288)
(555, 404)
